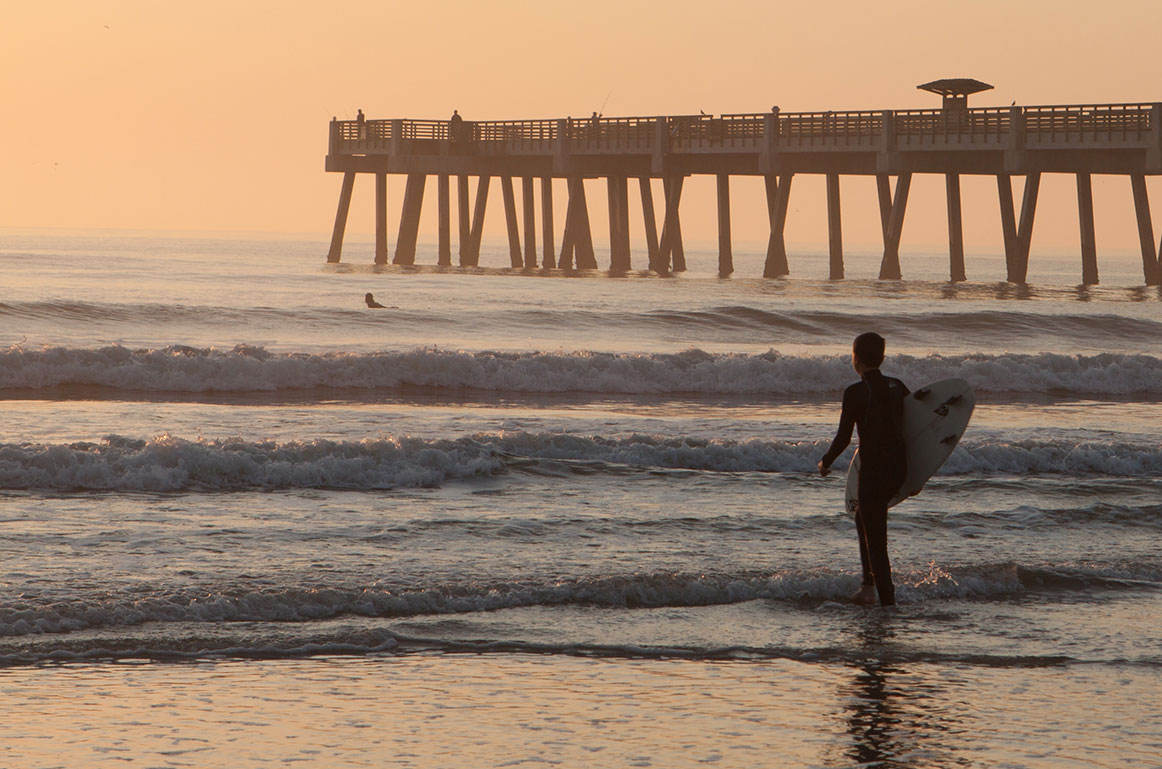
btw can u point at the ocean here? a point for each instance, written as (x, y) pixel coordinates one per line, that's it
(527, 519)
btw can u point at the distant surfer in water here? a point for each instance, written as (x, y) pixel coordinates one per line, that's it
(371, 301)
(875, 405)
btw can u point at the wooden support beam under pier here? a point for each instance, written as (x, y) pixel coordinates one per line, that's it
(1088, 236)
(583, 234)
(1150, 257)
(890, 266)
(649, 217)
(619, 251)
(381, 218)
(778, 197)
(614, 219)
(956, 270)
(1008, 220)
(834, 228)
(510, 220)
(673, 254)
(409, 220)
(478, 220)
(465, 246)
(1025, 227)
(444, 206)
(670, 200)
(568, 237)
(884, 191)
(1018, 238)
(530, 221)
(548, 251)
(623, 224)
(336, 250)
(725, 255)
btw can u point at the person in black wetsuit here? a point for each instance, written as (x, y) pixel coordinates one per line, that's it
(875, 405)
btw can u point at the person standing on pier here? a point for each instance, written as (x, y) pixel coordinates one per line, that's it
(456, 126)
(361, 124)
(875, 405)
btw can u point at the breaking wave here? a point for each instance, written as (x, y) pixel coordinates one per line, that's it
(22, 616)
(180, 369)
(167, 463)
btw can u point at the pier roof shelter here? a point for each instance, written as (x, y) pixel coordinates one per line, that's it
(955, 90)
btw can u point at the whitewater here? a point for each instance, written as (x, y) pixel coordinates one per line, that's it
(517, 517)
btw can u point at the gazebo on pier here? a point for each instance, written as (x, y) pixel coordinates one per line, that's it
(955, 91)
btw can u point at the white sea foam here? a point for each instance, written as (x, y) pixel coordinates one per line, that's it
(167, 463)
(251, 369)
(20, 617)
(170, 464)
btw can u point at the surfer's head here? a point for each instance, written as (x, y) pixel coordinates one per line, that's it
(868, 350)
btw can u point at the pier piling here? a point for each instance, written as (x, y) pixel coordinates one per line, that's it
(673, 255)
(1150, 257)
(336, 251)
(619, 242)
(834, 228)
(778, 196)
(481, 203)
(409, 220)
(1088, 236)
(1025, 227)
(465, 245)
(651, 225)
(955, 229)
(890, 266)
(510, 220)
(530, 222)
(444, 206)
(548, 255)
(725, 255)
(381, 218)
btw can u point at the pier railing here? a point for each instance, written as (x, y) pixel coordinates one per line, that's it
(1078, 122)
(1038, 126)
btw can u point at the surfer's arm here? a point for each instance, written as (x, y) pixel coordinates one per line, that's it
(843, 434)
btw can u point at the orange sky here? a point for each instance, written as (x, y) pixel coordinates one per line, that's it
(212, 115)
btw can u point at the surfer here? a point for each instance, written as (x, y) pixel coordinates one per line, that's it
(875, 406)
(371, 301)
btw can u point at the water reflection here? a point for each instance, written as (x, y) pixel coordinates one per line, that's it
(1008, 290)
(895, 717)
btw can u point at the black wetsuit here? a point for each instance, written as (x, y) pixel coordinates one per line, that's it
(876, 406)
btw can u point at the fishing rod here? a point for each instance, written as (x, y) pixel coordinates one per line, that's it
(601, 112)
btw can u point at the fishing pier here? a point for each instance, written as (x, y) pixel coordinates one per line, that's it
(891, 145)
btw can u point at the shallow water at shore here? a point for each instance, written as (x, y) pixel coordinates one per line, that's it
(446, 710)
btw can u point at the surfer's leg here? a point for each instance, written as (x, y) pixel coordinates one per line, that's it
(867, 590)
(875, 542)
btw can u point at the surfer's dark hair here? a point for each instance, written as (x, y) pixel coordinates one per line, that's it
(869, 348)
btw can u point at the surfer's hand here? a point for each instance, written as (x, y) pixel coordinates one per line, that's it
(823, 470)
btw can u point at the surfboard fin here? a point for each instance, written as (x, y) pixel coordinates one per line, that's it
(954, 399)
(922, 394)
(950, 439)
(941, 411)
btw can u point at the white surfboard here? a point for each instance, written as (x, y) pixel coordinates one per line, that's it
(935, 418)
